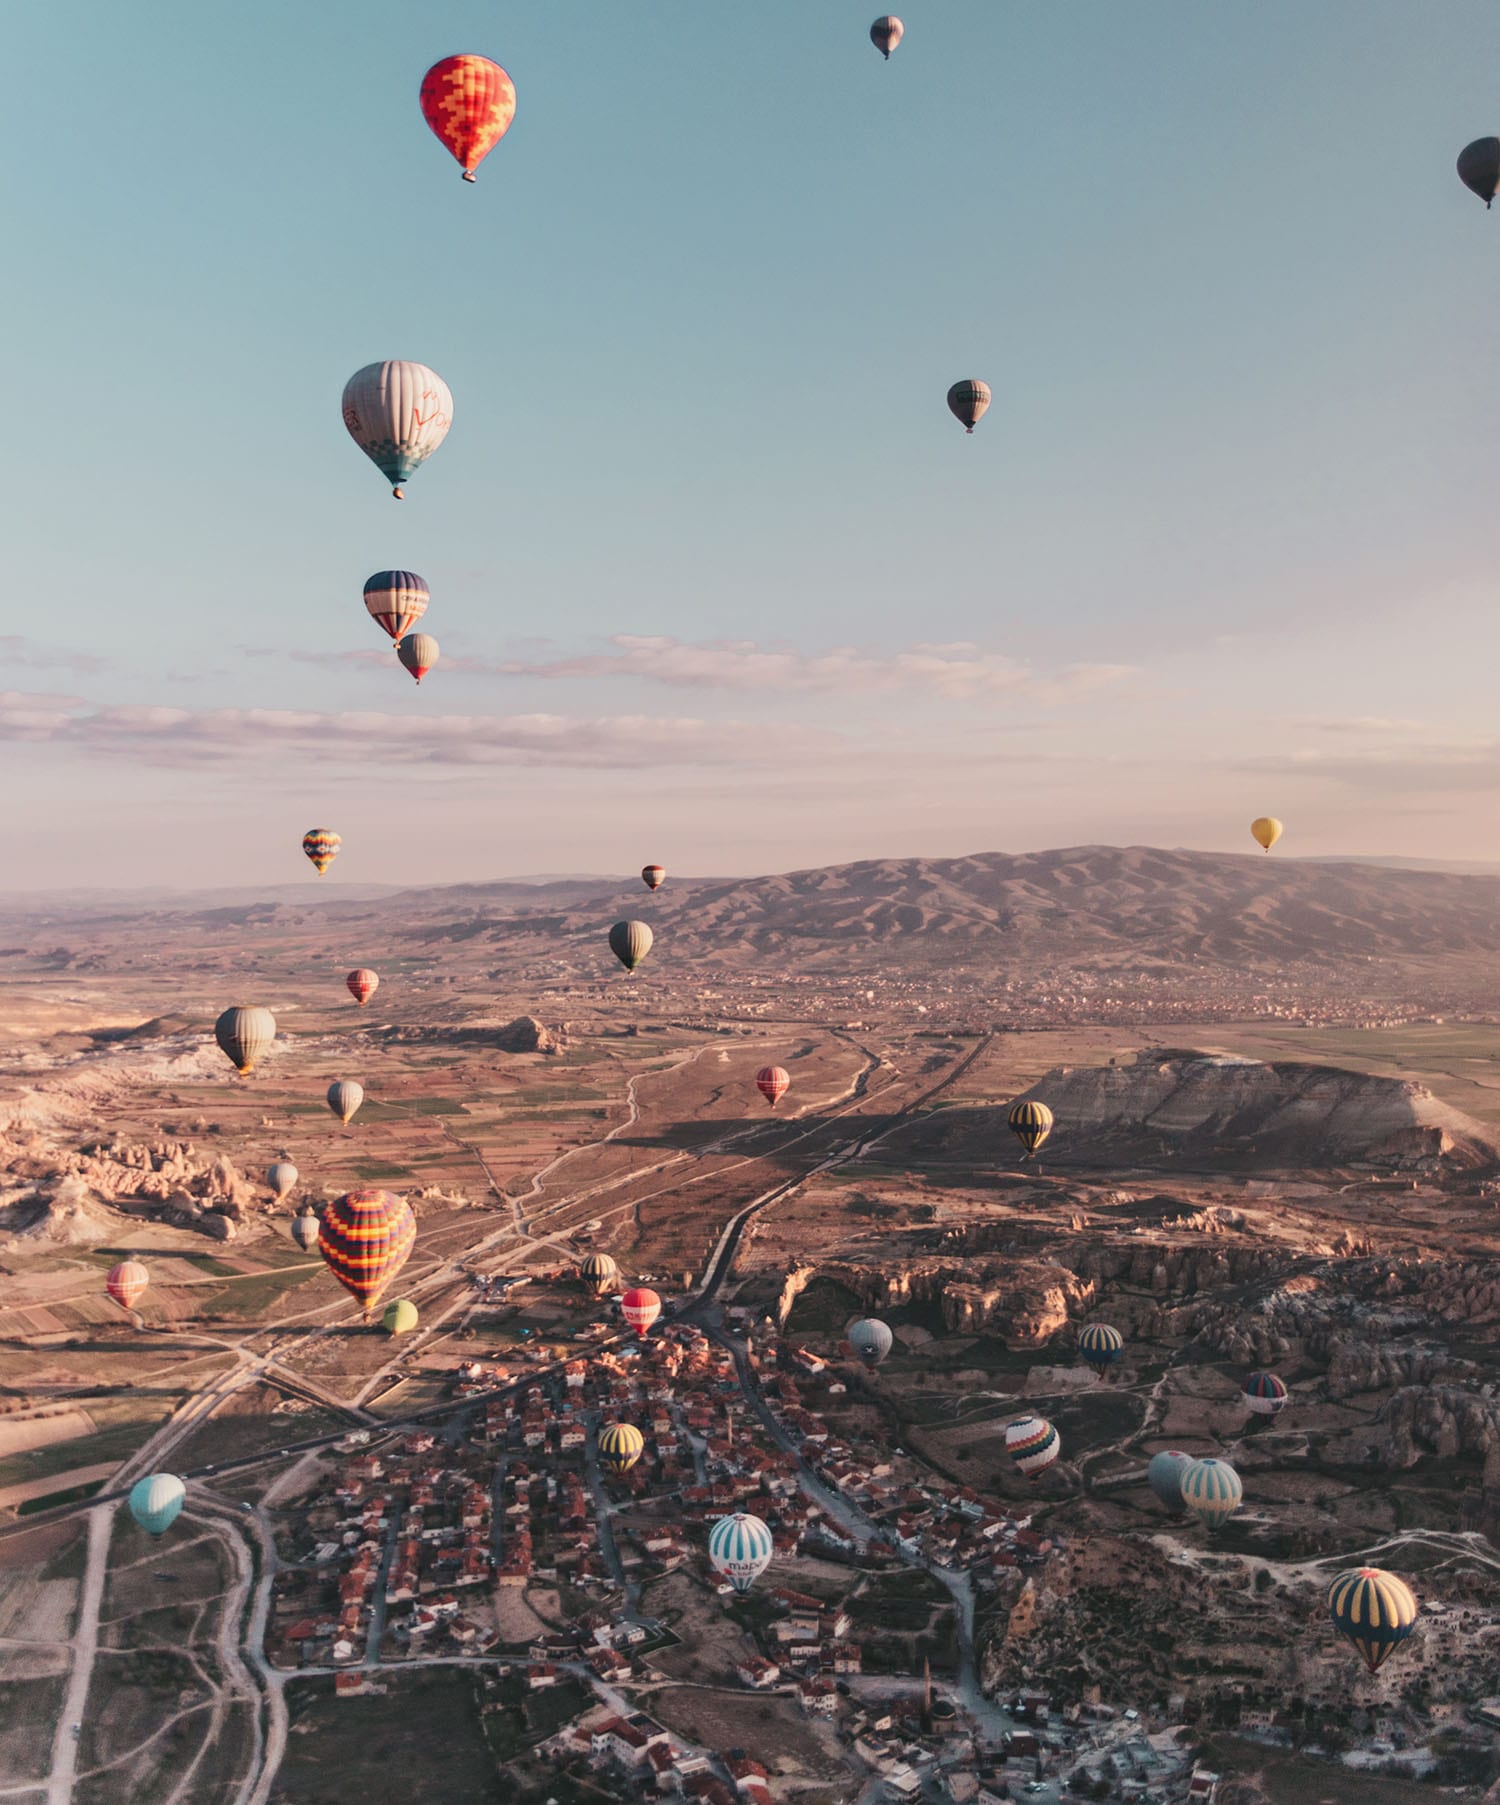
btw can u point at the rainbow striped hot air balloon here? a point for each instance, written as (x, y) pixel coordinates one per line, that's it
(1265, 1394)
(321, 844)
(398, 414)
(1100, 1346)
(773, 1082)
(1374, 1610)
(620, 1446)
(126, 1282)
(364, 1239)
(1211, 1490)
(397, 599)
(469, 103)
(1033, 1444)
(640, 1308)
(155, 1502)
(1030, 1122)
(740, 1547)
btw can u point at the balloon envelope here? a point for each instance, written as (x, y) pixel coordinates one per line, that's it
(1211, 1490)
(1099, 1345)
(281, 1177)
(398, 414)
(653, 876)
(1030, 1122)
(1032, 1443)
(345, 1097)
(1266, 830)
(321, 844)
(1164, 1476)
(968, 401)
(640, 1308)
(871, 1339)
(1265, 1394)
(397, 599)
(620, 1446)
(156, 1500)
(1479, 167)
(126, 1282)
(363, 983)
(364, 1239)
(418, 652)
(469, 102)
(400, 1318)
(773, 1082)
(305, 1231)
(243, 1034)
(740, 1547)
(599, 1273)
(886, 33)
(630, 941)
(1374, 1610)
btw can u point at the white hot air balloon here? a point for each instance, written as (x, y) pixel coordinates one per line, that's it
(281, 1177)
(398, 414)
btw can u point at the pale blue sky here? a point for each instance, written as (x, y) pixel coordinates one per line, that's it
(1224, 544)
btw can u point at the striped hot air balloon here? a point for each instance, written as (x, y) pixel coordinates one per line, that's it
(305, 1230)
(1031, 1123)
(469, 102)
(363, 983)
(968, 401)
(344, 1098)
(1100, 1346)
(398, 414)
(1032, 1443)
(630, 941)
(243, 1034)
(1164, 1475)
(1265, 1394)
(364, 1239)
(1211, 1490)
(640, 1308)
(620, 1446)
(155, 1502)
(418, 652)
(126, 1282)
(321, 844)
(653, 876)
(740, 1547)
(886, 33)
(1374, 1610)
(599, 1272)
(281, 1177)
(773, 1082)
(397, 599)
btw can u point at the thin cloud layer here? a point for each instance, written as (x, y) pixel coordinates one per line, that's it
(17, 650)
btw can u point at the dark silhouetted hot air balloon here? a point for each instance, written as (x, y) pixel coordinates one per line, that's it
(469, 102)
(630, 941)
(305, 1231)
(1265, 1394)
(344, 1098)
(1211, 1490)
(886, 33)
(1164, 1476)
(773, 1082)
(1100, 1346)
(1266, 830)
(640, 1308)
(1031, 1123)
(1479, 168)
(620, 1446)
(243, 1034)
(155, 1502)
(418, 652)
(871, 1340)
(281, 1177)
(599, 1272)
(740, 1547)
(1375, 1610)
(364, 1239)
(1032, 1443)
(321, 845)
(398, 414)
(968, 402)
(400, 1318)
(653, 876)
(363, 983)
(126, 1282)
(397, 599)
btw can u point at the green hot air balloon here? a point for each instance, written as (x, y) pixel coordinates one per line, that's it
(243, 1034)
(155, 1502)
(630, 941)
(400, 1318)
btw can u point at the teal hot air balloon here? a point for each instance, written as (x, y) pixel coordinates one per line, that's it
(398, 414)
(156, 1501)
(1164, 1475)
(740, 1547)
(1211, 1490)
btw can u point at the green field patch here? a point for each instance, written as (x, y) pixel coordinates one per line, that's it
(29, 1710)
(418, 1106)
(378, 1169)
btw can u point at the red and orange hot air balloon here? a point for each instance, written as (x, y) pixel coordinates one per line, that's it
(640, 1308)
(364, 1239)
(653, 876)
(469, 102)
(363, 983)
(773, 1082)
(126, 1282)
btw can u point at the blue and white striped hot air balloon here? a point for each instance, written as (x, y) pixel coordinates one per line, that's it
(398, 414)
(1211, 1490)
(740, 1548)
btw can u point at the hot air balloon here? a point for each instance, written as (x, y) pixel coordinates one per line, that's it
(398, 414)
(640, 1308)
(653, 876)
(244, 1034)
(418, 652)
(363, 983)
(397, 599)
(1265, 830)
(400, 1318)
(155, 1502)
(126, 1282)
(773, 1082)
(740, 1547)
(886, 33)
(364, 1239)
(1099, 1346)
(1265, 1394)
(305, 1230)
(1164, 1476)
(620, 1446)
(1211, 1490)
(281, 1177)
(1032, 1443)
(870, 1339)
(344, 1098)
(1479, 168)
(469, 102)
(321, 845)
(630, 941)
(1031, 1123)
(968, 402)
(1375, 1610)
(599, 1272)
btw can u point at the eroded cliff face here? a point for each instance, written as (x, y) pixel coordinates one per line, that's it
(1025, 1302)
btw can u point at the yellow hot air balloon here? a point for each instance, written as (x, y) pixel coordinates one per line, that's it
(1266, 830)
